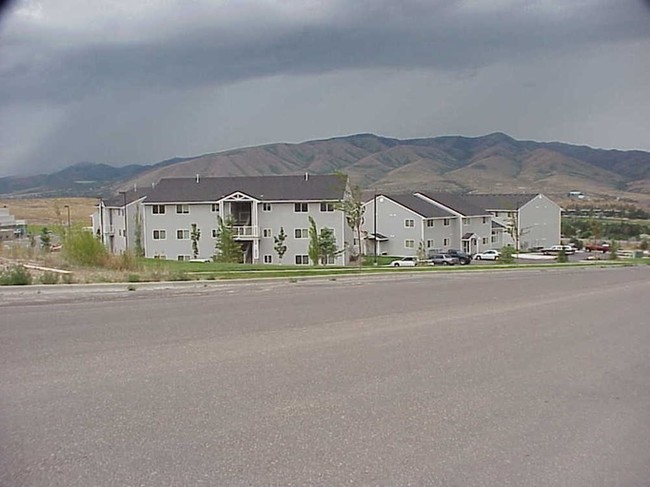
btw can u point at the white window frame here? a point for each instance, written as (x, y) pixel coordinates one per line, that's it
(157, 209)
(185, 232)
(183, 257)
(162, 234)
(303, 258)
(183, 209)
(214, 208)
(266, 207)
(446, 222)
(267, 233)
(466, 221)
(445, 242)
(431, 223)
(268, 259)
(215, 233)
(409, 243)
(327, 207)
(431, 243)
(300, 233)
(409, 223)
(301, 207)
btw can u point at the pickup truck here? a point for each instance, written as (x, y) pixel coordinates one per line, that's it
(556, 249)
(597, 247)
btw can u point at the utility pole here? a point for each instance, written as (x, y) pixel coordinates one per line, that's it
(126, 238)
(374, 223)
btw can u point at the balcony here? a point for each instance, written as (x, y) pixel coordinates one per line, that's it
(240, 231)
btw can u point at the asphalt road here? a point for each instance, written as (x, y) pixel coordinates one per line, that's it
(526, 378)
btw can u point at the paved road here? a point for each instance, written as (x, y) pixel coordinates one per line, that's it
(528, 378)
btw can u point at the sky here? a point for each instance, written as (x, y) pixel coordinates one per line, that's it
(141, 81)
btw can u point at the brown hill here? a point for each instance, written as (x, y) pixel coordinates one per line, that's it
(492, 163)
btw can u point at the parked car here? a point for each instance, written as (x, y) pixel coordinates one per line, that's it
(463, 257)
(405, 262)
(488, 255)
(443, 259)
(597, 247)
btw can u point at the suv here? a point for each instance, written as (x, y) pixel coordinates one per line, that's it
(463, 258)
(443, 259)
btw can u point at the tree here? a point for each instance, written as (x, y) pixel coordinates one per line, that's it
(326, 245)
(562, 257)
(195, 235)
(353, 209)
(228, 249)
(421, 253)
(507, 254)
(46, 239)
(139, 249)
(314, 242)
(513, 229)
(280, 247)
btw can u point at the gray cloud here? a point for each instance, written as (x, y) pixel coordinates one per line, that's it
(81, 68)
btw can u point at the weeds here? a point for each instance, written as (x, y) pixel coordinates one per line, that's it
(15, 276)
(49, 278)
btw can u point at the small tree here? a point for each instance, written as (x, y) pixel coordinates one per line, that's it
(421, 253)
(613, 250)
(562, 257)
(314, 242)
(228, 249)
(280, 247)
(195, 235)
(507, 254)
(139, 248)
(326, 245)
(46, 239)
(353, 209)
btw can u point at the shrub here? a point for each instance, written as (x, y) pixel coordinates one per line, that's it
(507, 255)
(49, 278)
(82, 248)
(562, 257)
(15, 276)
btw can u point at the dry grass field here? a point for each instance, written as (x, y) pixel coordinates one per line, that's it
(51, 211)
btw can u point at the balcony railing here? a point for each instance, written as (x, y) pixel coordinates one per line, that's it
(244, 231)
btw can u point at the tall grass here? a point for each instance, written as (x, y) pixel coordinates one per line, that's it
(80, 247)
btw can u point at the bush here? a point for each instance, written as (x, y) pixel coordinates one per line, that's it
(82, 248)
(15, 276)
(507, 255)
(562, 257)
(49, 278)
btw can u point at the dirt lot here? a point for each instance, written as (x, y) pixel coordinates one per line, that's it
(51, 211)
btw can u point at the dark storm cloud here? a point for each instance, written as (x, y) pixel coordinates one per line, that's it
(214, 47)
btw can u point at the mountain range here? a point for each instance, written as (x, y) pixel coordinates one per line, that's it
(491, 163)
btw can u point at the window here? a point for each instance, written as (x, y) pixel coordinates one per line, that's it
(215, 233)
(182, 234)
(431, 244)
(445, 242)
(268, 259)
(465, 221)
(214, 208)
(266, 207)
(183, 257)
(302, 259)
(300, 208)
(485, 240)
(409, 244)
(158, 209)
(159, 234)
(409, 223)
(431, 223)
(301, 233)
(445, 222)
(160, 256)
(331, 259)
(267, 233)
(485, 220)
(326, 207)
(183, 209)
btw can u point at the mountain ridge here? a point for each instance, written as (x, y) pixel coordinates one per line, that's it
(494, 162)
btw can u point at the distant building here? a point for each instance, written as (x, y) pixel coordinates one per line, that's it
(10, 228)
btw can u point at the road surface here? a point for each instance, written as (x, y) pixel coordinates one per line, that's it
(496, 378)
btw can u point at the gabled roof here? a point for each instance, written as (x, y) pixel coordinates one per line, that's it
(131, 196)
(420, 206)
(265, 188)
(502, 202)
(457, 202)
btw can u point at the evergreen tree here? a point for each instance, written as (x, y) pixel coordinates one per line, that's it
(228, 249)
(326, 245)
(314, 242)
(280, 247)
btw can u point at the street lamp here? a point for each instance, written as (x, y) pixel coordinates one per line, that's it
(68, 208)
(374, 223)
(126, 239)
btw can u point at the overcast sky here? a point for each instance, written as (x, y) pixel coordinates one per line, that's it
(139, 81)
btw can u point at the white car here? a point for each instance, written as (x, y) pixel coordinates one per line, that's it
(405, 262)
(488, 255)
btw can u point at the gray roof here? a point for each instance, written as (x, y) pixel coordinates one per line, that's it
(505, 202)
(457, 202)
(265, 188)
(496, 225)
(131, 196)
(419, 206)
